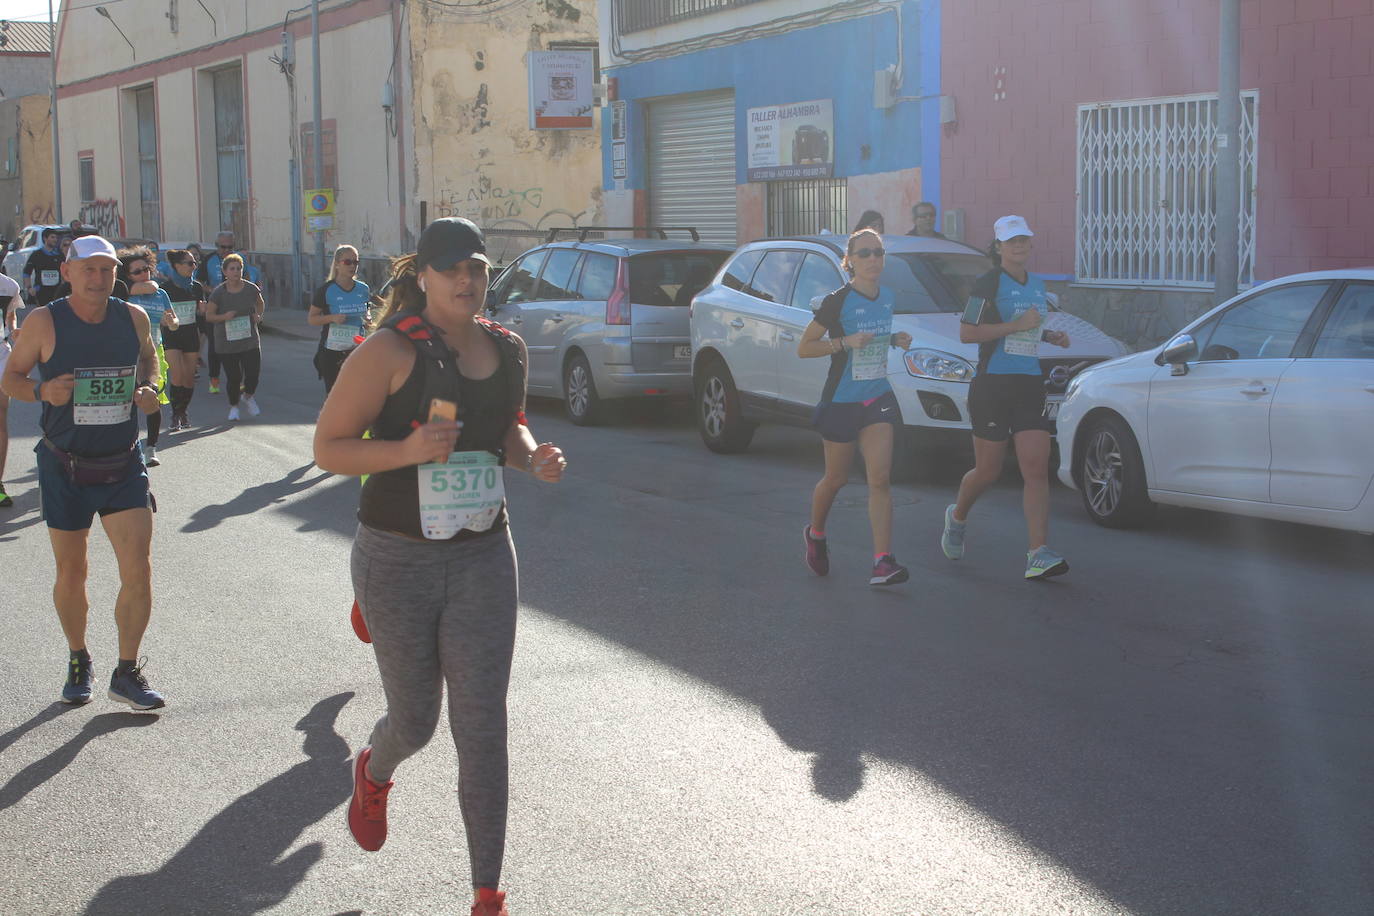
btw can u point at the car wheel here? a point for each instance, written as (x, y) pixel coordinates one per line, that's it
(579, 392)
(1111, 475)
(723, 427)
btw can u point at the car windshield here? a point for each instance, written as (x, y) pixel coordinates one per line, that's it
(672, 277)
(924, 284)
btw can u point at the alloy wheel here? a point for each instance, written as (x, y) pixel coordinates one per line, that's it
(1102, 472)
(713, 407)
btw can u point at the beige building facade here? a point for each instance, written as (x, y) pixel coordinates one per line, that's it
(187, 127)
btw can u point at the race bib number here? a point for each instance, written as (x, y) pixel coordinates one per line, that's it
(466, 492)
(49, 277)
(870, 361)
(240, 328)
(340, 337)
(1023, 343)
(185, 312)
(102, 397)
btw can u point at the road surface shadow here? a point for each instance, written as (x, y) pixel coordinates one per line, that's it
(48, 713)
(40, 771)
(1185, 739)
(234, 865)
(255, 498)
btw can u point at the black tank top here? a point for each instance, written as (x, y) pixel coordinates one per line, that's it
(390, 499)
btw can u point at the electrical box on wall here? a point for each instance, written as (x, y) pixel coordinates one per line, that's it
(885, 87)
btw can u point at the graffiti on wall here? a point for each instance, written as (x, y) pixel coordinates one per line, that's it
(41, 214)
(104, 216)
(486, 203)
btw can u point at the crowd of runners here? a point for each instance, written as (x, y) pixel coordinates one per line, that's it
(425, 401)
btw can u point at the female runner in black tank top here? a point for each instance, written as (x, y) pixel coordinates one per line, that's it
(425, 631)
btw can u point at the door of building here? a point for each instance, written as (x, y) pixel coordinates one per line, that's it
(692, 164)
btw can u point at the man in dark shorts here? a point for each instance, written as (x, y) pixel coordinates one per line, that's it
(42, 271)
(97, 364)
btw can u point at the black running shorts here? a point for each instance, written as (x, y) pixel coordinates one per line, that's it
(1000, 406)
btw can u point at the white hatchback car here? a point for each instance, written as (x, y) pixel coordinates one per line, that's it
(746, 324)
(1264, 406)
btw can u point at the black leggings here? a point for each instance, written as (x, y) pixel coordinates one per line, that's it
(242, 370)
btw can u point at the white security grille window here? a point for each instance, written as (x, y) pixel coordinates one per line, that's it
(230, 157)
(149, 196)
(1147, 191)
(808, 206)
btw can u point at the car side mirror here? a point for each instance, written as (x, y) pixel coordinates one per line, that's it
(1178, 353)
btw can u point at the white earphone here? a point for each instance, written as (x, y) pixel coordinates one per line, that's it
(421, 281)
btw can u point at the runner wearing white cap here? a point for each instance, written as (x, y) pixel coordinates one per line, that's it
(1007, 397)
(96, 362)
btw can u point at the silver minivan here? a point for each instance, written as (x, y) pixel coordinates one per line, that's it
(605, 319)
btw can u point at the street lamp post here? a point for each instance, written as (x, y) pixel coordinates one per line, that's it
(1228, 153)
(319, 126)
(52, 105)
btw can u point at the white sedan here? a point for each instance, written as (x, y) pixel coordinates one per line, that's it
(1264, 406)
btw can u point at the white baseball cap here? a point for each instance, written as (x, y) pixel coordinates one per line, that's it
(91, 246)
(1009, 227)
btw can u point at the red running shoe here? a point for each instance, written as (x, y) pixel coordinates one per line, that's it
(359, 625)
(367, 810)
(490, 903)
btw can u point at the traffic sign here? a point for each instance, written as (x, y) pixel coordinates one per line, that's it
(319, 202)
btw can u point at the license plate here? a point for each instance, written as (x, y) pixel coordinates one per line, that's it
(1052, 408)
(682, 351)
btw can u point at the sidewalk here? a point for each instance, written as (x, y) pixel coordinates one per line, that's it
(287, 322)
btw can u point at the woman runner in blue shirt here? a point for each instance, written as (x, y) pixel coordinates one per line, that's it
(1006, 400)
(857, 404)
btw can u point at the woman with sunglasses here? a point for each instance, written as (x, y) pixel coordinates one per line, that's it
(138, 269)
(182, 346)
(235, 309)
(1006, 399)
(857, 404)
(339, 310)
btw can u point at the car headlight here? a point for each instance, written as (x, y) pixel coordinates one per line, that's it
(1074, 384)
(937, 364)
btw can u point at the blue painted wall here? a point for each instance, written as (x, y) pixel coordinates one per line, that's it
(833, 61)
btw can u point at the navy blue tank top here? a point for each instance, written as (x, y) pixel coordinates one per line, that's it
(113, 343)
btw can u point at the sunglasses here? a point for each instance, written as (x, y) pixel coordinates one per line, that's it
(869, 252)
(140, 271)
(225, 247)
(348, 262)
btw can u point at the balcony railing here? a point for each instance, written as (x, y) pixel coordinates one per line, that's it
(638, 15)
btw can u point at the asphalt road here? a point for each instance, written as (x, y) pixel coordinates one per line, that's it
(1180, 725)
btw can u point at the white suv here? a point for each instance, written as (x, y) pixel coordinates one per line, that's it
(746, 325)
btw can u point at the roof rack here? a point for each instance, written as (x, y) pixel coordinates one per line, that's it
(583, 231)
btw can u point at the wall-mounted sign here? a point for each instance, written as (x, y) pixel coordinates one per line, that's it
(561, 90)
(619, 111)
(791, 141)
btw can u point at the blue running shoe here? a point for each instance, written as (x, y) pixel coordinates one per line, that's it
(131, 688)
(77, 690)
(1042, 563)
(952, 540)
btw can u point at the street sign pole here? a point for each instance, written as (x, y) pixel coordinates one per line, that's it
(1228, 150)
(318, 145)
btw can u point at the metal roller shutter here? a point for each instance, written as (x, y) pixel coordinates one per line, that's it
(692, 164)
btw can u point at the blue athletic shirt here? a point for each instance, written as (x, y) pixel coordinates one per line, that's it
(333, 299)
(848, 311)
(998, 298)
(154, 304)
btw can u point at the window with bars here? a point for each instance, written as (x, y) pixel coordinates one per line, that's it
(807, 206)
(149, 196)
(85, 173)
(230, 159)
(635, 15)
(1147, 191)
(329, 154)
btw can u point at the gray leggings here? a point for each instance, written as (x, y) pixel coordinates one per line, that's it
(442, 613)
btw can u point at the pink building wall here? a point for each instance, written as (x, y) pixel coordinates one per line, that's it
(1312, 62)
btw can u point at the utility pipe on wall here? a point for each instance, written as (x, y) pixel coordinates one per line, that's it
(1228, 153)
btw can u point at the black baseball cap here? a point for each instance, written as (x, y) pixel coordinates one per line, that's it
(445, 242)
